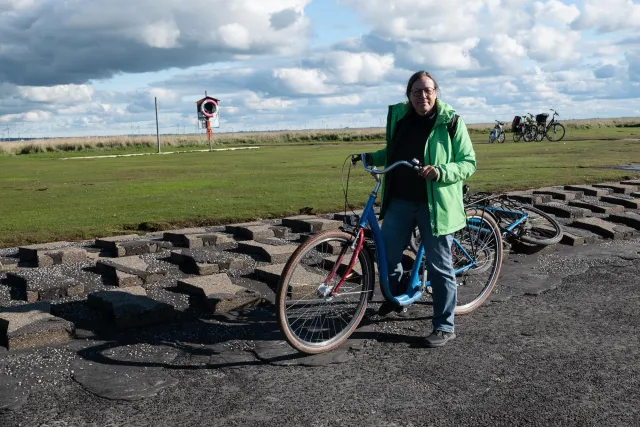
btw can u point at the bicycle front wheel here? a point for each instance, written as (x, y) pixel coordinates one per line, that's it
(312, 317)
(501, 138)
(477, 259)
(555, 132)
(540, 133)
(539, 228)
(530, 133)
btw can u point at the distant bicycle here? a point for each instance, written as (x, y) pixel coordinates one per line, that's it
(554, 130)
(497, 133)
(523, 127)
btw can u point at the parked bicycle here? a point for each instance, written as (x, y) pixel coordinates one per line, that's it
(517, 221)
(553, 131)
(497, 133)
(523, 127)
(329, 279)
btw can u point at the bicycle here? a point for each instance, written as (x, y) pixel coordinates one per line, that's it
(497, 133)
(554, 130)
(517, 221)
(328, 281)
(522, 128)
(530, 131)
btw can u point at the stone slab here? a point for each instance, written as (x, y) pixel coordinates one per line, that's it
(559, 194)
(631, 182)
(618, 188)
(186, 237)
(578, 236)
(630, 219)
(131, 265)
(219, 293)
(589, 190)
(233, 228)
(196, 238)
(604, 228)
(255, 232)
(596, 206)
(8, 264)
(302, 284)
(563, 211)
(203, 261)
(29, 253)
(111, 242)
(49, 254)
(620, 199)
(635, 194)
(269, 253)
(41, 284)
(310, 223)
(138, 247)
(131, 307)
(527, 197)
(32, 326)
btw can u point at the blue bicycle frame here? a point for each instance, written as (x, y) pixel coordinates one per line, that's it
(415, 286)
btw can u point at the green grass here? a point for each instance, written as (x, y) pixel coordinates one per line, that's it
(44, 198)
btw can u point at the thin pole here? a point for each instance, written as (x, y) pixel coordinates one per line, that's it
(157, 128)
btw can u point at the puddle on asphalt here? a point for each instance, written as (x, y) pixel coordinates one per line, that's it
(632, 167)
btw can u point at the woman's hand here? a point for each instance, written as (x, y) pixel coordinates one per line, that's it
(428, 172)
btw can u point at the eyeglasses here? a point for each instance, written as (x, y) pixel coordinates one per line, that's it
(427, 91)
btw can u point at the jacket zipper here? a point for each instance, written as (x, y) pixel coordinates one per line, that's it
(430, 185)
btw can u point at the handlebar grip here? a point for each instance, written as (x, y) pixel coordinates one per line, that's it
(355, 158)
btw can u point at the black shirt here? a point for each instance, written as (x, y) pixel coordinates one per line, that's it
(408, 143)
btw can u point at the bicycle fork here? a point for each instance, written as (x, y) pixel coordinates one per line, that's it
(325, 290)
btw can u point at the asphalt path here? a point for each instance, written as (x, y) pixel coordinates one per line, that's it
(563, 352)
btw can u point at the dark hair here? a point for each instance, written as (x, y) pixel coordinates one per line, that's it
(417, 76)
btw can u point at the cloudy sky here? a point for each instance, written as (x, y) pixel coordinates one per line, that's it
(85, 67)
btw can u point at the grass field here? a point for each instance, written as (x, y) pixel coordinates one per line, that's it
(44, 198)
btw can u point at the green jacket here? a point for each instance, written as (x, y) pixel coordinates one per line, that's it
(455, 158)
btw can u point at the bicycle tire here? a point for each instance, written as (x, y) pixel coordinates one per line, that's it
(319, 246)
(492, 252)
(530, 133)
(517, 136)
(540, 134)
(551, 232)
(487, 248)
(554, 130)
(501, 138)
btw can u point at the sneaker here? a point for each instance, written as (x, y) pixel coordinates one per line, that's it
(439, 338)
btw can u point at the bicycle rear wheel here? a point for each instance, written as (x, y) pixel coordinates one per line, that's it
(477, 258)
(539, 228)
(516, 136)
(312, 319)
(555, 132)
(501, 138)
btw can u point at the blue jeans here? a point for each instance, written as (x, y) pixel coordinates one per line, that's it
(399, 221)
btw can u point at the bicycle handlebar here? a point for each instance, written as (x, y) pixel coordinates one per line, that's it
(415, 164)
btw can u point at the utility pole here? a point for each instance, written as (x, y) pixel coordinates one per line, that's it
(157, 128)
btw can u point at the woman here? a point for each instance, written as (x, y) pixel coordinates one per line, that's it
(421, 128)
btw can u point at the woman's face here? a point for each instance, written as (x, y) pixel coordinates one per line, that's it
(423, 95)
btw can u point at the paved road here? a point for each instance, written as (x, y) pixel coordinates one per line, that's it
(565, 354)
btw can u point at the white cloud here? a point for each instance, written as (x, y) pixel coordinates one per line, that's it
(303, 81)
(161, 34)
(353, 99)
(60, 94)
(609, 16)
(492, 58)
